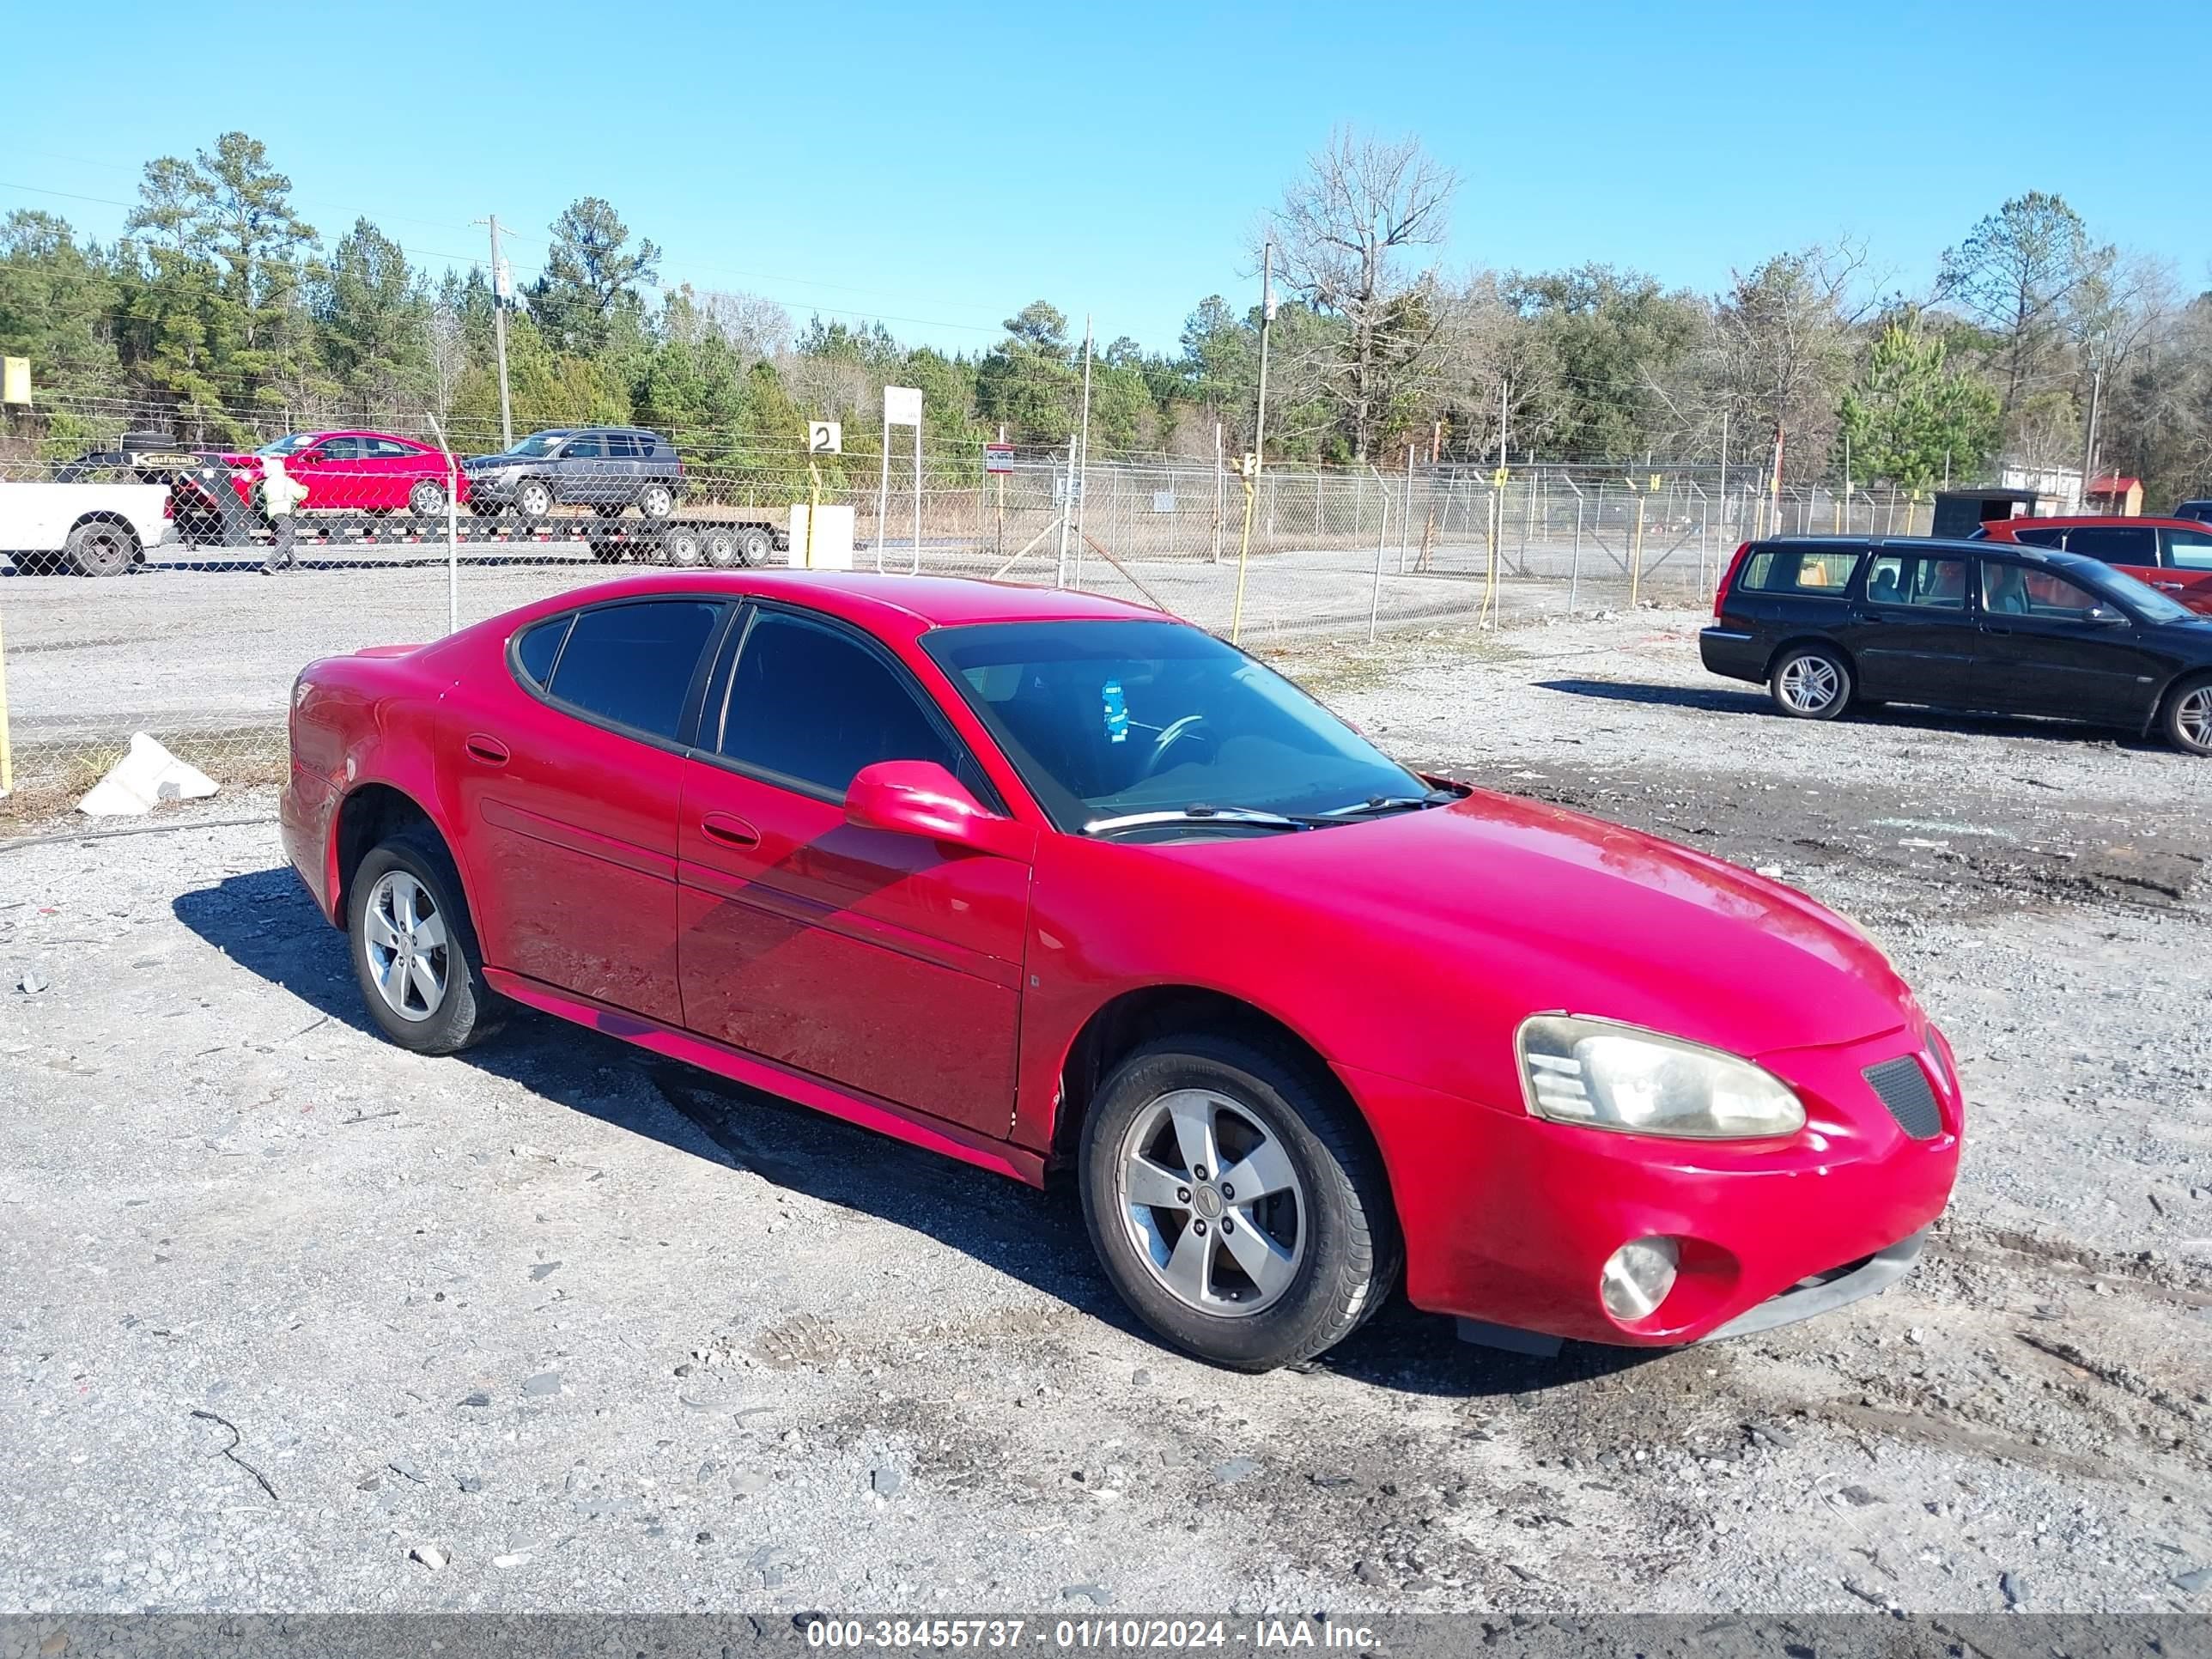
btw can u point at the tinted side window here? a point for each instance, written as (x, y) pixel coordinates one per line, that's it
(386, 449)
(621, 447)
(808, 702)
(2188, 550)
(340, 449)
(536, 651)
(582, 449)
(1819, 572)
(2114, 544)
(2011, 590)
(1934, 584)
(2043, 536)
(632, 663)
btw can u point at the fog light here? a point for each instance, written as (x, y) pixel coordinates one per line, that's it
(1638, 1277)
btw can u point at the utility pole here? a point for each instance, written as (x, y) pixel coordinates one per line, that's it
(500, 281)
(2089, 443)
(1267, 319)
(1083, 454)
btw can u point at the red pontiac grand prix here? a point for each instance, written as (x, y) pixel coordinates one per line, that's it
(1044, 881)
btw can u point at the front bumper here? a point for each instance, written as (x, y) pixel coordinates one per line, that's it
(1509, 1219)
(494, 485)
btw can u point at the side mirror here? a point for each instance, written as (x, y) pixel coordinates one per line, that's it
(921, 798)
(2103, 614)
(303, 457)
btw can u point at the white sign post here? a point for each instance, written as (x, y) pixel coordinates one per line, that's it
(901, 407)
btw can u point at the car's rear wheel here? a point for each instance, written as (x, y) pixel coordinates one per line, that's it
(414, 951)
(656, 501)
(427, 498)
(2189, 717)
(1236, 1201)
(683, 546)
(533, 498)
(720, 546)
(101, 549)
(609, 552)
(754, 546)
(1810, 683)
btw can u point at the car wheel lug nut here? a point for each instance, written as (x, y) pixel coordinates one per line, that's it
(1200, 1172)
(1200, 1225)
(1227, 1225)
(1182, 1195)
(1228, 1192)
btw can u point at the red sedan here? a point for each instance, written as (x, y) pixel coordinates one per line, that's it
(1040, 880)
(353, 472)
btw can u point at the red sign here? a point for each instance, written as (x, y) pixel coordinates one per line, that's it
(998, 457)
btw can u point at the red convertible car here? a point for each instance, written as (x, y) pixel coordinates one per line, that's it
(353, 472)
(1044, 881)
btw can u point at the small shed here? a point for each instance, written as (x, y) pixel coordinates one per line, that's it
(2111, 494)
(1962, 512)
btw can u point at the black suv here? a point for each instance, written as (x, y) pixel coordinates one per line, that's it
(607, 468)
(1831, 623)
(2200, 510)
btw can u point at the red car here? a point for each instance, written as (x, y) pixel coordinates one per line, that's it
(1043, 881)
(353, 472)
(2174, 555)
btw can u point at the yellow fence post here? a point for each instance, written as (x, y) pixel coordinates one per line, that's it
(1244, 555)
(7, 747)
(1636, 555)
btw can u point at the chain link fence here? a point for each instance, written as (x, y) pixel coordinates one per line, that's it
(184, 638)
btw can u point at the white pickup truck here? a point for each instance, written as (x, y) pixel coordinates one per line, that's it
(97, 529)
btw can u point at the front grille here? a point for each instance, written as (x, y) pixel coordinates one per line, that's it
(1903, 1089)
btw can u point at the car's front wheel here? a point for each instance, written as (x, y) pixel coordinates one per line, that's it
(533, 498)
(1236, 1200)
(2189, 717)
(1810, 683)
(414, 951)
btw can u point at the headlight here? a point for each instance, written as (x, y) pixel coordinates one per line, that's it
(1604, 1076)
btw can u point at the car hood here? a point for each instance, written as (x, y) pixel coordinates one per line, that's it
(495, 461)
(1580, 915)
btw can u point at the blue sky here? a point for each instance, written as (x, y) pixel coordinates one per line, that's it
(939, 166)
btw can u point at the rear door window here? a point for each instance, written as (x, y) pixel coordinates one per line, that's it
(2188, 550)
(621, 447)
(2049, 535)
(2114, 544)
(633, 664)
(1822, 572)
(1910, 580)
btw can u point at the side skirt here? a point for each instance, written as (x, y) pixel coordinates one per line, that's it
(868, 1111)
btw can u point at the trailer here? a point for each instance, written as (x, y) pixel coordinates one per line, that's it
(722, 538)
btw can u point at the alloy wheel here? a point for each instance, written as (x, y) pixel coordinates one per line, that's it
(408, 955)
(1212, 1203)
(1809, 683)
(2192, 716)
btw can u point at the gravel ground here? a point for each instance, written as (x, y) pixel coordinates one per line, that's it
(296, 1320)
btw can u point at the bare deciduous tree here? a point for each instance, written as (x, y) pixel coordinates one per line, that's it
(1347, 232)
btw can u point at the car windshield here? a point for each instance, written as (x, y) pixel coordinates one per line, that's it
(537, 443)
(288, 444)
(2140, 598)
(1110, 719)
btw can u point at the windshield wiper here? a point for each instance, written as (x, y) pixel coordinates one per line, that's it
(1387, 804)
(1198, 814)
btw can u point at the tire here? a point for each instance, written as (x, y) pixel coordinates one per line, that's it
(1810, 683)
(720, 546)
(1327, 1238)
(683, 546)
(755, 546)
(463, 1009)
(427, 499)
(656, 501)
(2187, 717)
(101, 548)
(533, 498)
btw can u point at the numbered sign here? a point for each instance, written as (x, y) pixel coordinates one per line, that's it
(824, 438)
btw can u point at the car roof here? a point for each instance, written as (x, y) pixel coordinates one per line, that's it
(365, 432)
(911, 604)
(2116, 519)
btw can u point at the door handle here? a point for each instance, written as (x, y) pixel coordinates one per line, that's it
(730, 831)
(490, 751)
(1991, 627)
(1867, 617)
(2170, 588)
